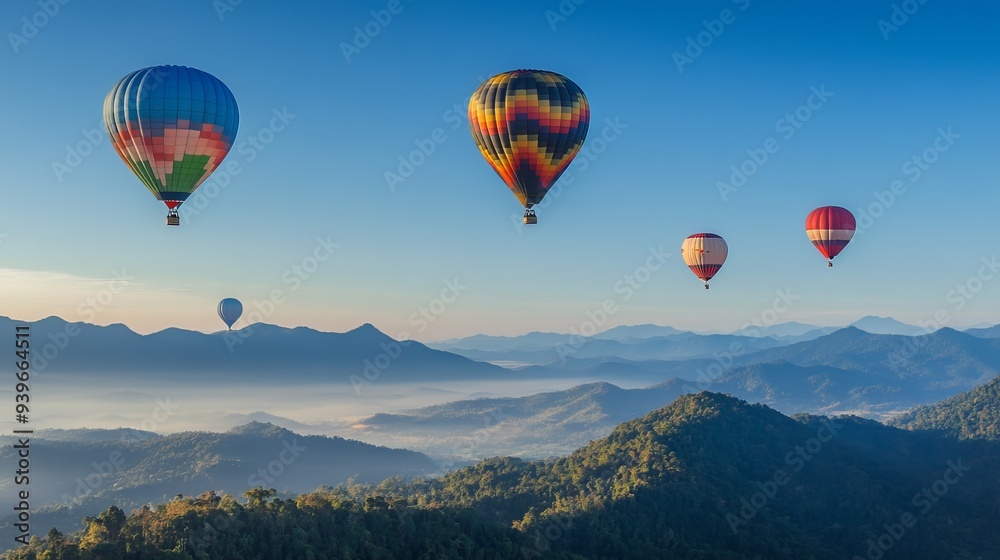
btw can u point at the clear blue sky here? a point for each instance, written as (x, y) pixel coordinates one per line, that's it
(654, 184)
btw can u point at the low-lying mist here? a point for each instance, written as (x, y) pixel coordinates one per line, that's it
(166, 406)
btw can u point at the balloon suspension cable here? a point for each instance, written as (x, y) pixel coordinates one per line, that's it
(173, 218)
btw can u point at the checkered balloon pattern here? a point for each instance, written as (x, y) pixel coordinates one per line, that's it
(529, 125)
(173, 126)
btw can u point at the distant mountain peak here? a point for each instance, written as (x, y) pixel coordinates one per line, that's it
(260, 429)
(984, 332)
(886, 325)
(647, 330)
(367, 329)
(849, 332)
(710, 400)
(696, 410)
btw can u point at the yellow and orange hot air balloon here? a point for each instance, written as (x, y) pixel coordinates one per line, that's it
(704, 253)
(529, 125)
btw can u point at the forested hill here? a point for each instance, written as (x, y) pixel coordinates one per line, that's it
(974, 414)
(708, 477)
(80, 475)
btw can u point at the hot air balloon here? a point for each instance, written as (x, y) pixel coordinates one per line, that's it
(529, 125)
(830, 228)
(704, 253)
(230, 310)
(173, 126)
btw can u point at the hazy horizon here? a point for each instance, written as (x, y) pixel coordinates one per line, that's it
(957, 325)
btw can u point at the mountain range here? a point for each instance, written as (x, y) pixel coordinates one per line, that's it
(848, 371)
(541, 425)
(79, 470)
(708, 476)
(985, 332)
(971, 415)
(650, 342)
(255, 353)
(305, 353)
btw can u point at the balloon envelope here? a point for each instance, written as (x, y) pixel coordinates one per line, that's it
(704, 253)
(230, 310)
(830, 228)
(173, 126)
(529, 125)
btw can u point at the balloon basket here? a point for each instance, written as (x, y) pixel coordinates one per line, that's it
(529, 217)
(173, 218)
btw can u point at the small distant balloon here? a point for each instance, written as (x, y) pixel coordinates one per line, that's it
(704, 253)
(230, 310)
(830, 228)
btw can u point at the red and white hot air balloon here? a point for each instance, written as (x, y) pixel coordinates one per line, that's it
(705, 253)
(830, 228)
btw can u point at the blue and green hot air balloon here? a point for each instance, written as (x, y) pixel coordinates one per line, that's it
(173, 126)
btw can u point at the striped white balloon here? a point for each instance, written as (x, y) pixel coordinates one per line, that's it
(705, 253)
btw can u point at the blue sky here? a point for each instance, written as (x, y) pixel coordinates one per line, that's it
(652, 180)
